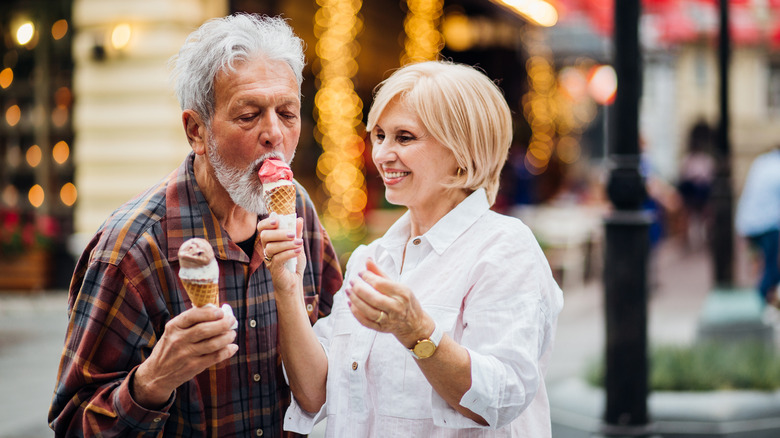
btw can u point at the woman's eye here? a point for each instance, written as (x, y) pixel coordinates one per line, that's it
(379, 137)
(404, 138)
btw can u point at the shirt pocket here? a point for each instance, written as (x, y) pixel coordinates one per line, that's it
(402, 389)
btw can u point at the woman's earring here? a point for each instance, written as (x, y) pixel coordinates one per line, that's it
(459, 172)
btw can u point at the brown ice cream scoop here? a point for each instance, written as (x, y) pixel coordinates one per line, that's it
(195, 253)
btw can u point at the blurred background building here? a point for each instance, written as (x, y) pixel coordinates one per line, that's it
(89, 118)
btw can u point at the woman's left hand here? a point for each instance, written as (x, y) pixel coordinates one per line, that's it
(386, 306)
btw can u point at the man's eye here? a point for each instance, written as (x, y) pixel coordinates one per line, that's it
(247, 117)
(289, 116)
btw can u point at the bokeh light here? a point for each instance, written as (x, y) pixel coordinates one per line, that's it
(10, 195)
(36, 195)
(421, 26)
(60, 152)
(339, 114)
(25, 33)
(12, 115)
(59, 29)
(120, 36)
(6, 77)
(33, 155)
(68, 194)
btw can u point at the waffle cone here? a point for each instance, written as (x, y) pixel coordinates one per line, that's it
(202, 292)
(281, 200)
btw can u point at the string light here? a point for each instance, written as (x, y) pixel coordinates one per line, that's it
(25, 33)
(12, 115)
(339, 114)
(6, 77)
(423, 40)
(34, 155)
(547, 107)
(36, 195)
(68, 194)
(60, 152)
(59, 29)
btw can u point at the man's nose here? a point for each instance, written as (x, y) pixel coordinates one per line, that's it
(270, 130)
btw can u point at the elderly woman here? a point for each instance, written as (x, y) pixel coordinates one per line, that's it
(446, 323)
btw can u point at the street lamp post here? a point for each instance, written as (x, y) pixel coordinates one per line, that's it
(627, 243)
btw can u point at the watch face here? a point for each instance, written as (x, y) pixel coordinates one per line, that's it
(424, 349)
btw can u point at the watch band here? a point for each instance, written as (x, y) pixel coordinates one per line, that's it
(434, 339)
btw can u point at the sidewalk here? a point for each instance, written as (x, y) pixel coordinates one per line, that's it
(679, 283)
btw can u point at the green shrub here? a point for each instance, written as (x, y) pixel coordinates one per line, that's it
(707, 367)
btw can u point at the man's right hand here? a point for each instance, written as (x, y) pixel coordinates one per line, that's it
(193, 341)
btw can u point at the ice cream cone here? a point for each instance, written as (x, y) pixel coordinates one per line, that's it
(202, 292)
(199, 272)
(281, 199)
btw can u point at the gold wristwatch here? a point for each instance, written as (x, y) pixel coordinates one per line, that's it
(426, 347)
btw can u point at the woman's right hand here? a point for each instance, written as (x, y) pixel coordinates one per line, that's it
(279, 246)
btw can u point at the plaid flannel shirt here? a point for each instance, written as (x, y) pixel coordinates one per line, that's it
(126, 287)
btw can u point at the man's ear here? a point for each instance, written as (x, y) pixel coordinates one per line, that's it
(195, 130)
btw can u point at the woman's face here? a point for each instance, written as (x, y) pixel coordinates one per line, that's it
(412, 163)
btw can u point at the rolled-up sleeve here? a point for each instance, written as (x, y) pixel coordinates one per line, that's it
(506, 325)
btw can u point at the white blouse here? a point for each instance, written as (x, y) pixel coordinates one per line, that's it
(485, 281)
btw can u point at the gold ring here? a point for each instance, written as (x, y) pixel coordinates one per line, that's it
(381, 316)
(266, 258)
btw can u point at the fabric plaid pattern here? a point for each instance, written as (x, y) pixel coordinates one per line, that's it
(126, 287)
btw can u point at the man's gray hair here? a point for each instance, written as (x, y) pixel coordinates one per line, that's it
(219, 44)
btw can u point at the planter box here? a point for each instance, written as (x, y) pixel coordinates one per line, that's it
(577, 410)
(27, 272)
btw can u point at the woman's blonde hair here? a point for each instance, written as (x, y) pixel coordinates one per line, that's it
(463, 110)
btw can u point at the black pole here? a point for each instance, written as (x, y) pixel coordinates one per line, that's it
(627, 242)
(722, 197)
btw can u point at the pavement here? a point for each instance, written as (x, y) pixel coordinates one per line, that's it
(32, 331)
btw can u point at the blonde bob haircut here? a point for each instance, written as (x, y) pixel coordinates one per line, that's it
(463, 110)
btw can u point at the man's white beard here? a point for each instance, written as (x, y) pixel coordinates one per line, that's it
(243, 185)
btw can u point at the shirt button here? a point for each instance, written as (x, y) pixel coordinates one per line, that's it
(256, 377)
(259, 432)
(416, 241)
(354, 365)
(157, 420)
(252, 323)
(309, 307)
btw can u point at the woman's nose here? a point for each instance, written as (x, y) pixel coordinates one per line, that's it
(383, 152)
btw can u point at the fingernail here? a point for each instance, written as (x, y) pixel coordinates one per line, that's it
(349, 304)
(298, 241)
(290, 235)
(348, 291)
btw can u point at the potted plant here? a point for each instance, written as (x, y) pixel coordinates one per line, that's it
(25, 238)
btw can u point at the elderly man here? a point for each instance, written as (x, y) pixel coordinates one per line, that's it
(139, 359)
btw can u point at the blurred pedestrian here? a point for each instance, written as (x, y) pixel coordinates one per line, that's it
(139, 360)
(446, 323)
(697, 174)
(758, 218)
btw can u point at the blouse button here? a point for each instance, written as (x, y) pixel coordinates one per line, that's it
(309, 307)
(259, 432)
(416, 241)
(354, 365)
(256, 377)
(157, 420)
(252, 323)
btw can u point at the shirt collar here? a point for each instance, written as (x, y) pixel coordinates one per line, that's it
(446, 230)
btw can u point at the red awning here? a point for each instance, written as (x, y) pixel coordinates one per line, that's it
(677, 21)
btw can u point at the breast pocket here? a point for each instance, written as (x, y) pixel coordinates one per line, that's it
(401, 388)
